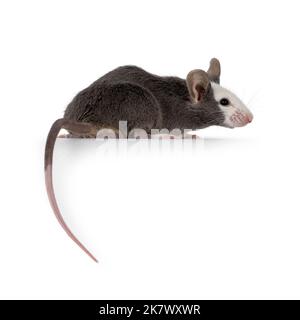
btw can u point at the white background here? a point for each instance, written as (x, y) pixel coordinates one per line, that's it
(219, 219)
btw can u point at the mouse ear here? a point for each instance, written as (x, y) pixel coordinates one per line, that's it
(198, 84)
(214, 70)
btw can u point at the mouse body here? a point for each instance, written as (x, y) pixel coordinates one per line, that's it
(149, 102)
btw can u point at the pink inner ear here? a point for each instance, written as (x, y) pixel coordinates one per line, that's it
(199, 92)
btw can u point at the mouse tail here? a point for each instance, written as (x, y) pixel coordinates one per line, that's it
(76, 127)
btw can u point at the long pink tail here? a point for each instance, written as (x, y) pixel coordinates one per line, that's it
(80, 128)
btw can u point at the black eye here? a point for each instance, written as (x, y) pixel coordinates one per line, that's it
(224, 102)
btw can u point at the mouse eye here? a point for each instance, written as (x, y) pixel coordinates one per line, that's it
(224, 102)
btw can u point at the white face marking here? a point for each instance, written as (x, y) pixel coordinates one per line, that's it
(236, 113)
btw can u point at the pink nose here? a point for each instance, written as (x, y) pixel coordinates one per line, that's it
(250, 117)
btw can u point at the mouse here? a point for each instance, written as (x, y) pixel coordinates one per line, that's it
(145, 101)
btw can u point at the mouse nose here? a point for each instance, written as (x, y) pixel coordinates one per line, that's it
(250, 117)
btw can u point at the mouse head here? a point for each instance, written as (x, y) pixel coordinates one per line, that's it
(218, 105)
